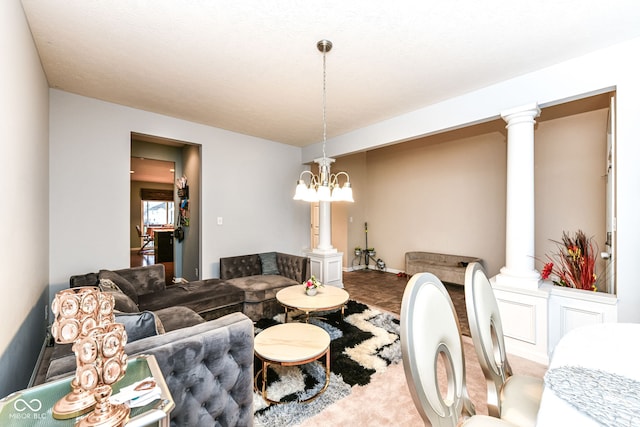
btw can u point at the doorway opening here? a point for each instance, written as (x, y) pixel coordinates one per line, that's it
(160, 168)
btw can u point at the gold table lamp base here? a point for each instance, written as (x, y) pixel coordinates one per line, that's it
(74, 404)
(105, 413)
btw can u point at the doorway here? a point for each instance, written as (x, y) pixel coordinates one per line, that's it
(160, 207)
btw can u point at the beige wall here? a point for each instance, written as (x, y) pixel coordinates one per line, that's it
(570, 184)
(446, 193)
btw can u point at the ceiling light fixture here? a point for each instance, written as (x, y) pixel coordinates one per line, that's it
(325, 186)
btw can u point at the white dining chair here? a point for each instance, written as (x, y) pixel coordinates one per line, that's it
(430, 337)
(514, 398)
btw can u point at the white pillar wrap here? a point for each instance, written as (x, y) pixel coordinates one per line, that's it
(324, 232)
(520, 231)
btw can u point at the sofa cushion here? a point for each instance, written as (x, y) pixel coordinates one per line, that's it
(139, 325)
(269, 263)
(122, 302)
(262, 287)
(124, 285)
(146, 279)
(240, 266)
(178, 317)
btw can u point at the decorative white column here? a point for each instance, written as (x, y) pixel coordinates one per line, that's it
(324, 227)
(520, 232)
(523, 303)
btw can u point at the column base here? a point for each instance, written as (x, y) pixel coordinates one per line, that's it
(527, 280)
(323, 251)
(327, 267)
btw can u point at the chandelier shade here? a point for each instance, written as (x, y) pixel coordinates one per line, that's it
(325, 186)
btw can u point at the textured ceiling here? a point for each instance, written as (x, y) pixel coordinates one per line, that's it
(252, 66)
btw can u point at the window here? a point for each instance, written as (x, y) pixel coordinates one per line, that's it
(157, 213)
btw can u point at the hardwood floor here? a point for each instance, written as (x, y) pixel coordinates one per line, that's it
(385, 290)
(372, 287)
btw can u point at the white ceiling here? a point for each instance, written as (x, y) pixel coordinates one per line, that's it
(251, 66)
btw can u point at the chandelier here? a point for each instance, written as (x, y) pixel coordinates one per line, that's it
(324, 187)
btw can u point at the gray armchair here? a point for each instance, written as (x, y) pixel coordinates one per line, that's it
(207, 367)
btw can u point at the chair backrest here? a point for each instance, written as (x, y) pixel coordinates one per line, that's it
(139, 231)
(429, 332)
(487, 334)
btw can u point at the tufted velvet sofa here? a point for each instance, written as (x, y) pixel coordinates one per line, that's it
(261, 276)
(146, 289)
(207, 367)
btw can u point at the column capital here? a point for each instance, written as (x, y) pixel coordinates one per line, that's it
(526, 112)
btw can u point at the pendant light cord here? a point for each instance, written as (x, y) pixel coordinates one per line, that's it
(324, 102)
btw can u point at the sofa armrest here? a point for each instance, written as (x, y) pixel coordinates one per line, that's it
(78, 280)
(293, 266)
(208, 369)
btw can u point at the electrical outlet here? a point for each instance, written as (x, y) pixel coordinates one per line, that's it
(197, 272)
(46, 312)
(219, 220)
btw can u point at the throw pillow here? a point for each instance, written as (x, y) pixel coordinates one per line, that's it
(139, 325)
(121, 301)
(107, 285)
(269, 263)
(124, 285)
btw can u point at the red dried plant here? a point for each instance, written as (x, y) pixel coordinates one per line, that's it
(573, 265)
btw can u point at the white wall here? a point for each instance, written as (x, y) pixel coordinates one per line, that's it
(615, 67)
(247, 181)
(24, 174)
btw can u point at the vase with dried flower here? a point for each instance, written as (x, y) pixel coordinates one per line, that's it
(574, 263)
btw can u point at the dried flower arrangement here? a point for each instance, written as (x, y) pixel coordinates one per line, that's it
(573, 265)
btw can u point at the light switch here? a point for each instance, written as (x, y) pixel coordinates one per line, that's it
(219, 220)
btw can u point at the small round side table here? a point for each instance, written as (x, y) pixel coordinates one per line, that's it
(291, 344)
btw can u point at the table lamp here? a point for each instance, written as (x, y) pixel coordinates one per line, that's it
(101, 361)
(77, 311)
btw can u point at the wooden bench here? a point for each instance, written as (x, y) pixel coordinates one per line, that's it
(448, 268)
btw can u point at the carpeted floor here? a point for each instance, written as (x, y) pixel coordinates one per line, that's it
(384, 400)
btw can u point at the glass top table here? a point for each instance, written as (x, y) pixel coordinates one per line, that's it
(33, 406)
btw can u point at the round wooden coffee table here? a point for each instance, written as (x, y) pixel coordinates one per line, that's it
(327, 298)
(290, 344)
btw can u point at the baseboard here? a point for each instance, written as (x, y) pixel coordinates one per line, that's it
(36, 368)
(362, 267)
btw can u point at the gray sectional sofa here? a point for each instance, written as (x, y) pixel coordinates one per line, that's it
(207, 365)
(144, 288)
(261, 276)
